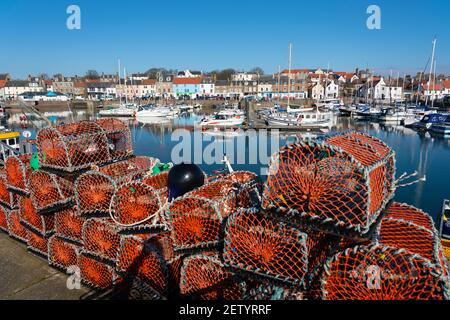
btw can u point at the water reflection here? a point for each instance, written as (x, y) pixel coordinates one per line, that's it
(427, 153)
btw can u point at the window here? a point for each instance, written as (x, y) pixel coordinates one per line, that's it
(11, 142)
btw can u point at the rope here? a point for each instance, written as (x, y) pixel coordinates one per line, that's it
(406, 176)
(161, 209)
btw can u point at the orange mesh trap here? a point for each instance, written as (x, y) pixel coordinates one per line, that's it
(398, 229)
(48, 192)
(69, 225)
(15, 227)
(135, 202)
(339, 186)
(61, 253)
(95, 273)
(7, 198)
(76, 146)
(4, 219)
(205, 277)
(43, 224)
(94, 189)
(37, 243)
(17, 172)
(101, 238)
(265, 248)
(380, 272)
(139, 258)
(159, 182)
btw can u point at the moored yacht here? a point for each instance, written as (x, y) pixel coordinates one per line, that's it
(125, 110)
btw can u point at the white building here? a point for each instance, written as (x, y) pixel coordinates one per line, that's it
(332, 90)
(14, 88)
(433, 91)
(207, 88)
(147, 88)
(244, 76)
(316, 91)
(100, 90)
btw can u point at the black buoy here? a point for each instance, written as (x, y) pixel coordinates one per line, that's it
(184, 178)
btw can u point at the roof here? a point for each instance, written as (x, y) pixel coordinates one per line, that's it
(149, 81)
(79, 84)
(17, 83)
(446, 84)
(297, 71)
(2, 83)
(3, 76)
(435, 87)
(221, 83)
(197, 80)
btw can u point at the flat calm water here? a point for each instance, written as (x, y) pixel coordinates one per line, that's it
(175, 141)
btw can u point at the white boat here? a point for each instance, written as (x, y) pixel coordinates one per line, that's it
(304, 119)
(126, 110)
(156, 112)
(395, 115)
(222, 120)
(330, 104)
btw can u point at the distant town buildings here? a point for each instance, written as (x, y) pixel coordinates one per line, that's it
(315, 84)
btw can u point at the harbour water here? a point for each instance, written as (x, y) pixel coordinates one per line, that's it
(425, 153)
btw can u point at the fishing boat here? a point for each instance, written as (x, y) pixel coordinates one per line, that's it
(441, 128)
(223, 119)
(305, 119)
(444, 227)
(125, 110)
(428, 120)
(330, 104)
(152, 111)
(346, 111)
(9, 142)
(394, 115)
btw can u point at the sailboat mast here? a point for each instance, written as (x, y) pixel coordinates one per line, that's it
(120, 97)
(431, 69)
(289, 74)
(434, 84)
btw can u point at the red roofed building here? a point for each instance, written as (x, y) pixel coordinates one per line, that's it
(446, 85)
(433, 91)
(189, 87)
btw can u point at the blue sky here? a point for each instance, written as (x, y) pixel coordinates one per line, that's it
(207, 35)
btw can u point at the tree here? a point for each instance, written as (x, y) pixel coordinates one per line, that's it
(43, 76)
(257, 70)
(223, 74)
(92, 74)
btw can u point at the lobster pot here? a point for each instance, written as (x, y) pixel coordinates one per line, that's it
(49, 192)
(249, 188)
(378, 272)
(196, 224)
(69, 225)
(8, 199)
(94, 189)
(62, 254)
(4, 219)
(138, 257)
(15, 227)
(138, 208)
(159, 182)
(398, 229)
(205, 278)
(95, 273)
(339, 186)
(17, 173)
(101, 239)
(264, 291)
(79, 145)
(42, 224)
(264, 248)
(37, 243)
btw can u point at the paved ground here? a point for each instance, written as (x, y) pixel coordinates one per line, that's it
(25, 276)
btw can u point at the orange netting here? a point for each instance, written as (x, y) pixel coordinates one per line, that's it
(94, 189)
(15, 227)
(69, 225)
(196, 223)
(134, 202)
(159, 182)
(61, 253)
(44, 224)
(4, 219)
(339, 186)
(139, 258)
(7, 198)
(95, 273)
(37, 243)
(75, 146)
(17, 172)
(400, 229)
(204, 277)
(266, 248)
(380, 272)
(101, 238)
(48, 191)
